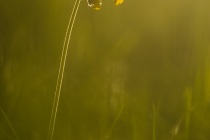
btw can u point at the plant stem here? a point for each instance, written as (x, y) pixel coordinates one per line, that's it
(61, 69)
(9, 123)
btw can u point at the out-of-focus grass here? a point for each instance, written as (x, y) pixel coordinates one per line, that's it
(9, 123)
(140, 54)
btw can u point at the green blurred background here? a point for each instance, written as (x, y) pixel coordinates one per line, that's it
(138, 71)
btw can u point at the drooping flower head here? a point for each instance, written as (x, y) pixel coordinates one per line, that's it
(96, 4)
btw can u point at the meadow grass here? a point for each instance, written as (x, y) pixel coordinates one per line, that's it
(183, 113)
(188, 110)
(62, 69)
(9, 124)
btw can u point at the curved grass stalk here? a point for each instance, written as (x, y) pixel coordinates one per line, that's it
(9, 123)
(115, 122)
(61, 69)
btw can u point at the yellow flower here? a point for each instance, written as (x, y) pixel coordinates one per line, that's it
(118, 2)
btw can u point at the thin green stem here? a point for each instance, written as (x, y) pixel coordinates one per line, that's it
(188, 95)
(9, 123)
(115, 121)
(61, 69)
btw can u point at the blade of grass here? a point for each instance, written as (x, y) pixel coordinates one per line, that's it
(9, 123)
(115, 121)
(62, 68)
(188, 94)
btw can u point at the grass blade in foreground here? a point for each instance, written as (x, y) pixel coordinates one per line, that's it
(9, 123)
(61, 69)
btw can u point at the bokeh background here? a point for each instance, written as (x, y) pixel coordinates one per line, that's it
(138, 71)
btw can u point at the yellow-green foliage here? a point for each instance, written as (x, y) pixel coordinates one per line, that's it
(138, 71)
